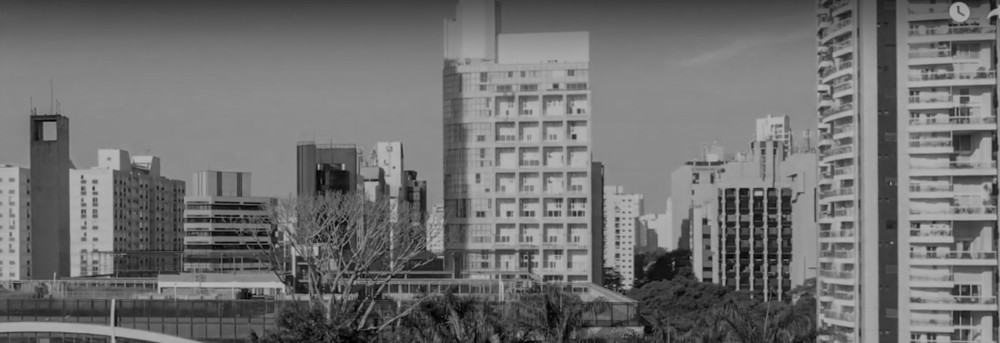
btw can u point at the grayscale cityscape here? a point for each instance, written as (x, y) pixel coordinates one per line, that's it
(767, 171)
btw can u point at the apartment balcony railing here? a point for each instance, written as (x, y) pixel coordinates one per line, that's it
(843, 296)
(843, 87)
(931, 188)
(930, 54)
(848, 317)
(836, 274)
(955, 299)
(935, 278)
(843, 128)
(935, 143)
(956, 165)
(840, 66)
(931, 233)
(836, 5)
(838, 151)
(842, 45)
(959, 75)
(843, 171)
(837, 254)
(958, 210)
(836, 233)
(836, 110)
(928, 10)
(951, 30)
(836, 192)
(930, 99)
(963, 255)
(931, 322)
(840, 24)
(953, 121)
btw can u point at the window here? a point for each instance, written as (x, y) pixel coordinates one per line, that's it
(962, 142)
(83, 213)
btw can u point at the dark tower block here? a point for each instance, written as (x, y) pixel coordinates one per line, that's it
(50, 165)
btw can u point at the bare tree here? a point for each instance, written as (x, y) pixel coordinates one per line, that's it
(346, 250)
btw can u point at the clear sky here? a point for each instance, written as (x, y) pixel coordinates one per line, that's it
(234, 84)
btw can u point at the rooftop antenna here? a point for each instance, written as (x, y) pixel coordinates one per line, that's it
(31, 105)
(52, 97)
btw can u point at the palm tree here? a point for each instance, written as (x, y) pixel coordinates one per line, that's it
(453, 319)
(555, 315)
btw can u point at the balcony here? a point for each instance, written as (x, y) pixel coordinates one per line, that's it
(840, 192)
(839, 153)
(843, 130)
(953, 78)
(931, 146)
(838, 5)
(954, 302)
(843, 172)
(836, 112)
(828, 73)
(846, 317)
(842, 47)
(931, 236)
(971, 168)
(966, 258)
(931, 191)
(835, 30)
(837, 254)
(836, 234)
(955, 123)
(843, 89)
(825, 101)
(931, 102)
(923, 54)
(956, 213)
(977, 32)
(932, 278)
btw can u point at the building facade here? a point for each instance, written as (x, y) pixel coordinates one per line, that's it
(50, 167)
(947, 172)
(622, 231)
(517, 150)
(693, 185)
(125, 218)
(859, 57)
(659, 228)
(15, 223)
(226, 229)
(325, 168)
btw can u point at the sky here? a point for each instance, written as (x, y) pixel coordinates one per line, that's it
(235, 84)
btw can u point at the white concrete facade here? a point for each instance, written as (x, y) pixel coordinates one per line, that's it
(15, 223)
(621, 231)
(517, 153)
(124, 207)
(947, 138)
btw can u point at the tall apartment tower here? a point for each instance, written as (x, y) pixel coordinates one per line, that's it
(622, 231)
(50, 166)
(692, 185)
(15, 220)
(775, 128)
(323, 168)
(517, 147)
(947, 164)
(226, 229)
(125, 218)
(858, 55)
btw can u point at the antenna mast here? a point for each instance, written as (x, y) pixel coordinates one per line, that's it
(52, 97)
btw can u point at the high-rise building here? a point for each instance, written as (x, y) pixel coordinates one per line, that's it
(945, 225)
(691, 185)
(517, 150)
(50, 166)
(861, 51)
(435, 230)
(622, 231)
(226, 229)
(324, 168)
(759, 234)
(125, 218)
(416, 197)
(389, 157)
(775, 128)
(15, 222)
(657, 229)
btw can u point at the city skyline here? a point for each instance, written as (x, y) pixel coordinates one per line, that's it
(161, 88)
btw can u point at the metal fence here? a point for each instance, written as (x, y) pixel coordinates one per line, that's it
(219, 320)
